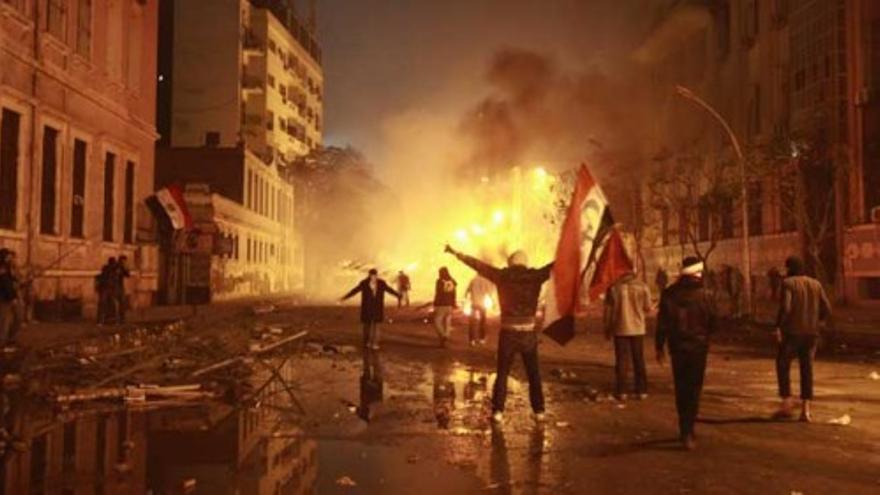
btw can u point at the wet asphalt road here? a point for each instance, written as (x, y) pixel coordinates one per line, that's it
(413, 418)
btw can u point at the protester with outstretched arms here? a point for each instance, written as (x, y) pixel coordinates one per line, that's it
(519, 288)
(372, 290)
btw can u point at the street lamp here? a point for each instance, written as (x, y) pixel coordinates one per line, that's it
(746, 251)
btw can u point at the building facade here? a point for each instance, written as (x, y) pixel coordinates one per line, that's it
(243, 87)
(779, 71)
(77, 134)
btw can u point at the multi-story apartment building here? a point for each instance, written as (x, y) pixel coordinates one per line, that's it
(246, 85)
(799, 71)
(77, 134)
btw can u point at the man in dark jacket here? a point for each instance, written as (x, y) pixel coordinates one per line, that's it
(519, 288)
(119, 298)
(372, 290)
(105, 284)
(687, 317)
(445, 302)
(803, 307)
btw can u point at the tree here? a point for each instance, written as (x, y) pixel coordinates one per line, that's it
(805, 170)
(701, 192)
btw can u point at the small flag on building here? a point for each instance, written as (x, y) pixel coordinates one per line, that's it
(586, 223)
(169, 202)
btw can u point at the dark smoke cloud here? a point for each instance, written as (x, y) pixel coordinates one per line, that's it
(540, 112)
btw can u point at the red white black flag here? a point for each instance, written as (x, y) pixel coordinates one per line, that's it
(614, 262)
(587, 222)
(169, 201)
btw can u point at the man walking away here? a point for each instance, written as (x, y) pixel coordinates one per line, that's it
(119, 298)
(687, 317)
(803, 307)
(403, 287)
(479, 291)
(444, 304)
(372, 290)
(518, 290)
(8, 298)
(627, 302)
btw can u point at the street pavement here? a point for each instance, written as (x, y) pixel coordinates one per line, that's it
(417, 420)
(430, 428)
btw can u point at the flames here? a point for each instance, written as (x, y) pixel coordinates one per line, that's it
(487, 219)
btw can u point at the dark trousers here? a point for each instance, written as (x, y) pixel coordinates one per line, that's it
(371, 334)
(477, 323)
(511, 343)
(630, 349)
(107, 309)
(121, 303)
(688, 369)
(803, 347)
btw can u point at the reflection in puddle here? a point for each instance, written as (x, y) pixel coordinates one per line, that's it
(210, 448)
(372, 384)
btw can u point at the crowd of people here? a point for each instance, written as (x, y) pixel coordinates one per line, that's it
(687, 315)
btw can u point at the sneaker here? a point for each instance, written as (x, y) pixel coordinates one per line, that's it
(497, 417)
(473, 343)
(642, 396)
(620, 397)
(540, 418)
(689, 442)
(482, 341)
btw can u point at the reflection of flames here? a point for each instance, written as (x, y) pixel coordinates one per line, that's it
(488, 305)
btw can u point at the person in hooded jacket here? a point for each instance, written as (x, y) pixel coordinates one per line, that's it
(519, 288)
(444, 304)
(372, 290)
(687, 317)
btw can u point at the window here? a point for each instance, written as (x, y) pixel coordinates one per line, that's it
(48, 185)
(271, 81)
(84, 28)
(78, 192)
(9, 127)
(39, 464)
(109, 193)
(683, 225)
(787, 204)
(212, 139)
(55, 14)
(270, 120)
(68, 458)
(128, 233)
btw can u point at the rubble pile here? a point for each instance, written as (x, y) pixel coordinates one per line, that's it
(164, 365)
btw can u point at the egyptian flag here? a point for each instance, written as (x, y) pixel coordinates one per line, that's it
(587, 222)
(614, 262)
(168, 203)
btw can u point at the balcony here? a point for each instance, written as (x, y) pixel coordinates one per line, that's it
(252, 85)
(251, 45)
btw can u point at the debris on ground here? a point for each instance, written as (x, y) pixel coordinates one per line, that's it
(844, 420)
(263, 309)
(562, 424)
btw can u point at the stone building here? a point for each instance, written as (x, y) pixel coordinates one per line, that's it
(243, 87)
(780, 70)
(77, 137)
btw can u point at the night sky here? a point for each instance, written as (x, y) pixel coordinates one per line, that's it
(386, 57)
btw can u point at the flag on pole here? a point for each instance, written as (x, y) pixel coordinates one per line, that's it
(614, 262)
(169, 202)
(587, 220)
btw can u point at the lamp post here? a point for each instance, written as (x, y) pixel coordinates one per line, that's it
(746, 251)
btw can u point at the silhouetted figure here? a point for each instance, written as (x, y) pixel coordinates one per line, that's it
(519, 288)
(803, 307)
(119, 298)
(687, 317)
(444, 304)
(105, 283)
(8, 298)
(627, 303)
(404, 285)
(481, 293)
(372, 290)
